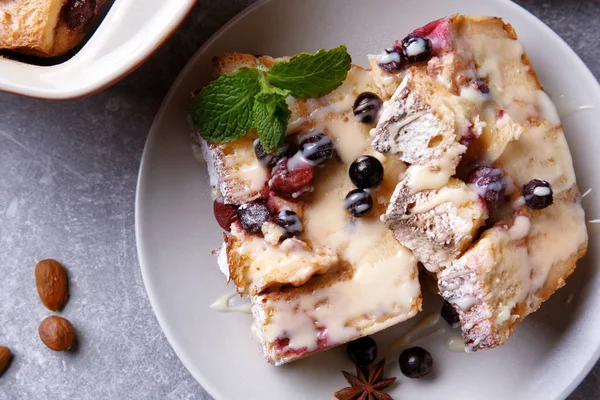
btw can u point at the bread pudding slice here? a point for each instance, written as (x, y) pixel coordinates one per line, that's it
(437, 225)
(340, 278)
(45, 28)
(477, 89)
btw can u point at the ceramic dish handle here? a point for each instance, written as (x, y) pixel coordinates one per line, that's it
(127, 36)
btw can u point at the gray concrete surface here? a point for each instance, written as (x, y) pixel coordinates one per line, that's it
(67, 183)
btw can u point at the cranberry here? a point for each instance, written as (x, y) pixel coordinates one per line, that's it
(290, 182)
(538, 194)
(225, 214)
(438, 32)
(253, 215)
(489, 183)
(78, 13)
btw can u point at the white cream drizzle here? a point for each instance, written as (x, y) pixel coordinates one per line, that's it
(455, 344)
(223, 304)
(222, 260)
(417, 332)
(457, 196)
(520, 228)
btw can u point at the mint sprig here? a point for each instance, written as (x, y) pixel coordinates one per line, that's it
(253, 98)
(312, 75)
(222, 111)
(270, 116)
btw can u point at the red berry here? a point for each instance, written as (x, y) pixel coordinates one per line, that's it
(288, 182)
(439, 34)
(225, 214)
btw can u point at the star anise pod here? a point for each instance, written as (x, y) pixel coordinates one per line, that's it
(366, 385)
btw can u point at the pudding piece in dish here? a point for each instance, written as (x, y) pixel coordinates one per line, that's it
(45, 28)
(478, 99)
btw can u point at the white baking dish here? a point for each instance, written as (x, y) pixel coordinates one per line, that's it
(127, 36)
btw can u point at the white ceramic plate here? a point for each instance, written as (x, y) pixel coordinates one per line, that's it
(549, 354)
(131, 31)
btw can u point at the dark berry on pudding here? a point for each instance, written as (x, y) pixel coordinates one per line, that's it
(366, 172)
(391, 60)
(225, 214)
(316, 147)
(416, 48)
(269, 160)
(253, 215)
(291, 181)
(289, 221)
(359, 203)
(366, 107)
(78, 13)
(450, 315)
(489, 183)
(538, 194)
(362, 351)
(481, 85)
(415, 362)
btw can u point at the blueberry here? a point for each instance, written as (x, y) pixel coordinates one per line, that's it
(415, 362)
(253, 215)
(316, 147)
(366, 107)
(366, 172)
(450, 314)
(538, 194)
(489, 183)
(359, 203)
(289, 221)
(269, 160)
(362, 351)
(416, 48)
(391, 60)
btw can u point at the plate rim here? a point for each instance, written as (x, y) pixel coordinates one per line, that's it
(144, 171)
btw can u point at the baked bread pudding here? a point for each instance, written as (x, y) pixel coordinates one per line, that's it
(334, 182)
(45, 28)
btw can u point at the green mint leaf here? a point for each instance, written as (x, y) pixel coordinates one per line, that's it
(222, 111)
(270, 116)
(312, 75)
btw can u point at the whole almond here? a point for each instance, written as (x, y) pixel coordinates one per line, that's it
(51, 282)
(57, 333)
(5, 357)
